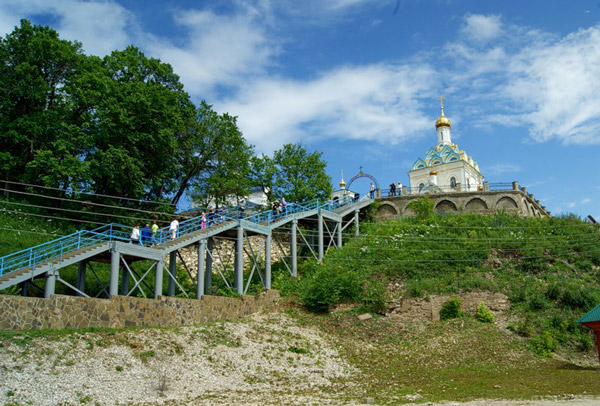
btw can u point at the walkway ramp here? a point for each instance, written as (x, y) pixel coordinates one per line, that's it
(97, 244)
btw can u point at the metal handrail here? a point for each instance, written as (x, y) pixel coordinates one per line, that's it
(31, 257)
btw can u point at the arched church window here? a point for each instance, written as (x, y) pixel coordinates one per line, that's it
(421, 187)
(468, 184)
(453, 182)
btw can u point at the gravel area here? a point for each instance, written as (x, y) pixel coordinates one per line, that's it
(264, 360)
(208, 364)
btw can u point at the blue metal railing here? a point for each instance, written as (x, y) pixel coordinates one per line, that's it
(57, 249)
(30, 257)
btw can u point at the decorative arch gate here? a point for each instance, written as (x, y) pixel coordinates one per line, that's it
(362, 174)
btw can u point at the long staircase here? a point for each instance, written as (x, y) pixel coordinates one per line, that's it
(83, 245)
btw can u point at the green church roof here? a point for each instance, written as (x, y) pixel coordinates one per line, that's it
(592, 315)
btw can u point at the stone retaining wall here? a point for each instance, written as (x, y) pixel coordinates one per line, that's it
(20, 313)
(409, 310)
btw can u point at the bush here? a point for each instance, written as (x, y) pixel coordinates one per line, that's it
(422, 207)
(451, 309)
(483, 313)
(544, 344)
(373, 297)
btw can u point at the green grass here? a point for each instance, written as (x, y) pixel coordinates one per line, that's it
(549, 268)
(458, 360)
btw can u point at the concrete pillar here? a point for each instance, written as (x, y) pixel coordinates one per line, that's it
(80, 284)
(209, 262)
(486, 186)
(320, 235)
(378, 193)
(515, 185)
(294, 248)
(50, 284)
(172, 270)
(113, 287)
(268, 261)
(458, 187)
(200, 275)
(356, 230)
(339, 234)
(404, 191)
(524, 189)
(125, 282)
(239, 262)
(158, 279)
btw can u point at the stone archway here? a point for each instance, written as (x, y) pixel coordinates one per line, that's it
(445, 206)
(506, 203)
(387, 210)
(476, 204)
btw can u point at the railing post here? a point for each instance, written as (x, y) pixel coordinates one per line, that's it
(293, 248)
(113, 286)
(200, 275)
(79, 240)
(320, 229)
(268, 261)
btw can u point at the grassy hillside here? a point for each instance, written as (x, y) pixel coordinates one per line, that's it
(548, 267)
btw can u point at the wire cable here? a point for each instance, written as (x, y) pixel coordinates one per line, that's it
(84, 202)
(86, 193)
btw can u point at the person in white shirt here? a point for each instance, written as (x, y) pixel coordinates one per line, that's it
(173, 228)
(135, 235)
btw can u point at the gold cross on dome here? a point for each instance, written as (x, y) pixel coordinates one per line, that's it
(441, 99)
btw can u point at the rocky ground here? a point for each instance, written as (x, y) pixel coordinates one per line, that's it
(265, 360)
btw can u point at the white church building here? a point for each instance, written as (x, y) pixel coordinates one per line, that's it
(445, 167)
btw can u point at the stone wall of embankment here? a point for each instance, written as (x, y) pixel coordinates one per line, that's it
(20, 313)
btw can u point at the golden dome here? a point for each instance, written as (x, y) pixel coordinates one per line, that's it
(342, 183)
(442, 121)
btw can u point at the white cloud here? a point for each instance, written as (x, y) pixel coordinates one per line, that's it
(586, 200)
(570, 205)
(221, 50)
(377, 102)
(557, 87)
(101, 26)
(482, 28)
(502, 168)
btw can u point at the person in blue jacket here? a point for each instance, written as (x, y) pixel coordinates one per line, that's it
(146, 234)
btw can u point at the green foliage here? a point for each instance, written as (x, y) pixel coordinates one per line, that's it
(422, 207)
(544, 344)
(483, 313)
(293, 173)
(451, 309)
(374, 295)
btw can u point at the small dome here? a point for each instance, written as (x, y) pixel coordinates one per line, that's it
(442, 121)
(342, 184)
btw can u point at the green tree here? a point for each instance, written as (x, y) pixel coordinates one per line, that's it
(139, 121)
(227, 158)
(263, 170)
(299, 175)
(41, 128)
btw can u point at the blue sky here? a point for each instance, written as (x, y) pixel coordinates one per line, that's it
(358, 79)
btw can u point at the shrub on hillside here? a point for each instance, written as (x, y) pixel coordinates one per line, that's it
(451, 309)
(374, 296)
(484, 314)
(544, 344)
(422, 207)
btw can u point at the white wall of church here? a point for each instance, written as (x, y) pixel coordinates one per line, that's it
(468, 177)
